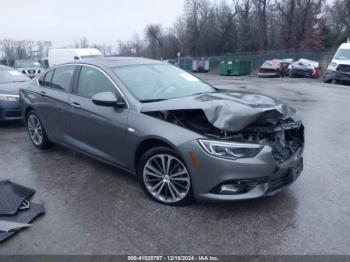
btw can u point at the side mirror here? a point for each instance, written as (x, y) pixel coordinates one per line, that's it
(107, 99)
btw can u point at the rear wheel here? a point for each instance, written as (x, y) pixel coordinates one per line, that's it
(164, 177)
(36, 131)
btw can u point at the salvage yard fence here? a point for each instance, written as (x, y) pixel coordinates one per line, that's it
(258, 58)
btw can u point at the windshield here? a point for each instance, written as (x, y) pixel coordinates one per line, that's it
(12, 76)
(342, 54)
(27, 63)
(160, 82)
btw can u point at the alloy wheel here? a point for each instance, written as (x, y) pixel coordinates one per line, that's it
(35, 129)
(166, 178)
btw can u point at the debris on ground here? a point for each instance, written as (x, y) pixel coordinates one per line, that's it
(16, 211)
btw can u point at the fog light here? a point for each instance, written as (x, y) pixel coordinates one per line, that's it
(231, 189)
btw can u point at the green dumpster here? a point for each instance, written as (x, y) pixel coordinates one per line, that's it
(235, 67)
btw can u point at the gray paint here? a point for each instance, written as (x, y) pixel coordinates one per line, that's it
(102, 132)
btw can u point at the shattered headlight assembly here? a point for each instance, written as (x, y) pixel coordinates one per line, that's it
(230, 150)
(9, 98)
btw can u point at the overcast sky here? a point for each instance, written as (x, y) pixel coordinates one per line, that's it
(101, 21)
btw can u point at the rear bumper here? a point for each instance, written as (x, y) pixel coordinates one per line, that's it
(10, 111)
(271, 74)
(301, 73)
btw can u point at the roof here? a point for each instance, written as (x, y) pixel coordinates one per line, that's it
(78, 51)
(345, 46)
(118, 61)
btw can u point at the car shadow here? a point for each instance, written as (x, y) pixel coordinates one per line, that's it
(11, 124)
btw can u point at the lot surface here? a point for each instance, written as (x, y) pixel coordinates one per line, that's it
(95, 209)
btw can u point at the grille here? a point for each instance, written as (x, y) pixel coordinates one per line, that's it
(278, 183)
(12, 113)
(268, 70)
(344, 68)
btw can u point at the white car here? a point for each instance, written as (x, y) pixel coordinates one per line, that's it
(64, 55)
(339, 69)
(30, 68)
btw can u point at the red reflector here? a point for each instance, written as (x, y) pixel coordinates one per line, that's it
(194, 159)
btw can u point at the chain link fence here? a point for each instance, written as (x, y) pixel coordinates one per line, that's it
(257, 59)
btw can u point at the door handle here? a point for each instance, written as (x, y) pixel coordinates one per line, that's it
(43, 93)
(76, 105)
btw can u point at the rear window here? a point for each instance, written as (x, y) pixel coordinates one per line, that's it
(62, 78)
(45, 80)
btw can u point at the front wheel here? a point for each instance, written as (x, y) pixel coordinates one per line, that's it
(36, 131)
(164, 177)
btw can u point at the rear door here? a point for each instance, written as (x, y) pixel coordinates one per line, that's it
(97, 130)
(55, 90)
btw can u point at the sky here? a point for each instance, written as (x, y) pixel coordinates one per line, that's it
(100, 21)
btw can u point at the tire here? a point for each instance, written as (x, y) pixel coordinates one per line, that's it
(158, 183)
(36, 131)
(327, 81)
(336, 82)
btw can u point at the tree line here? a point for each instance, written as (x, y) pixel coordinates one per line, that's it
(210, 28)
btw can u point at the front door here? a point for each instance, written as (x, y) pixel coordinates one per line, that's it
(97, 130)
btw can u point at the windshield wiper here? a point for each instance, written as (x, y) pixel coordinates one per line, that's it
(152, 100)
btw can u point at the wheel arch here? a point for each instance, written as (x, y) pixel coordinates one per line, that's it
(26, 112)
(148, 144)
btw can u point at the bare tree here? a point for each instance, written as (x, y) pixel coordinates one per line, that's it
(155, 37)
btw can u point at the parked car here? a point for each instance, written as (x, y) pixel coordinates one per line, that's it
(31, 68)
(275, 68)
(339, 69)
(64, 55)
(305, 68)
(10, 82)
(183, 138)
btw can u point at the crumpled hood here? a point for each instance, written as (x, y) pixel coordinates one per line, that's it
(229, 111)
(12, 88)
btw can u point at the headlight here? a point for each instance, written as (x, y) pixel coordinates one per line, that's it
(230, 150)
(9, 98)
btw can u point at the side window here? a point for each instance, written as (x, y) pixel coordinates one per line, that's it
(45, 80)
(48, 78)
(62, 78)
(42, 80)
(92, 81)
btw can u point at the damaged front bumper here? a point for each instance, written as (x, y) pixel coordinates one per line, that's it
(219, 179)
